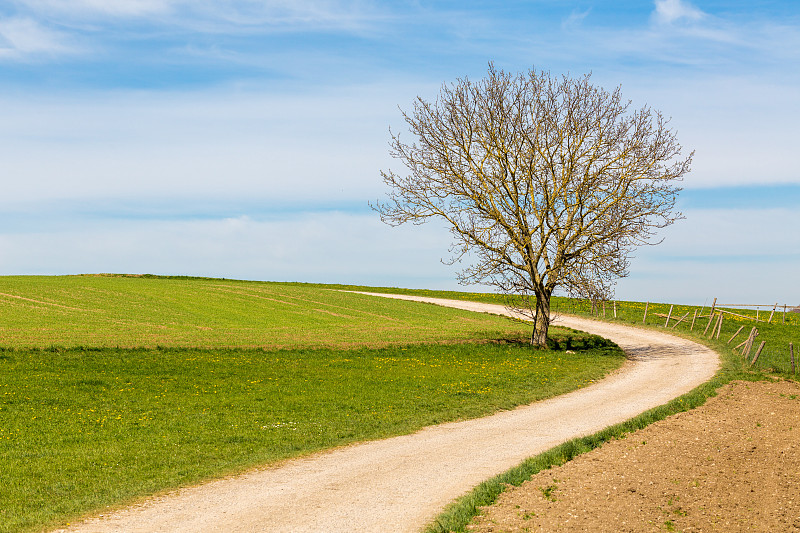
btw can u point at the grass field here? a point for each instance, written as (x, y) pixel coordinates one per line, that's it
(93, 412)
(106, 311)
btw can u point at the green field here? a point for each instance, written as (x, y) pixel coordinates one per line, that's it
(117, 311)
(114, 388)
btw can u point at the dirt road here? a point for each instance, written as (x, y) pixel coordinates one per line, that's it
(400, 484)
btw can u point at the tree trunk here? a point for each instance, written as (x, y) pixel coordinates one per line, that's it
(541, 319)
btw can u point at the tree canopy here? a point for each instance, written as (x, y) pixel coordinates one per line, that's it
(546, 181)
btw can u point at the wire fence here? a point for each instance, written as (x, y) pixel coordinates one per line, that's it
(763, 336)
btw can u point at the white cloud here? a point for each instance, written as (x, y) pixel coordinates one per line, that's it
(216, 16)
(329, 145)
(328, 247)
(742, 127)
(749, 255)
(293, 13)
(120, 8)
(670, 11)
(739, 256)
(695, 43)
(24, 37)
(575, 19)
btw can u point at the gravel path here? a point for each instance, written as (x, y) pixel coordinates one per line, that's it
(401, 484)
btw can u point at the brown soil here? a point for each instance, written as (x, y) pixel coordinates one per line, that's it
(731, 465)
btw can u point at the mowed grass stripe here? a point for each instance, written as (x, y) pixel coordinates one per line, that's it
(257, 292)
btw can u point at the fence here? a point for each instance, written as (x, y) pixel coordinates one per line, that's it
(757, 308)
(762, 335)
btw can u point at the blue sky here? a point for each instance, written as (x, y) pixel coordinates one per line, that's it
(244, 138)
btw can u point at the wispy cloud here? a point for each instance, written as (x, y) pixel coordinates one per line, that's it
(292, 14)
(678, 35)
(215, 16)
(671, 11)
(22, 38)
(575, 19)
(736, 245)
(50, 28)
(84, 8)
(357, 248)
(227, 142)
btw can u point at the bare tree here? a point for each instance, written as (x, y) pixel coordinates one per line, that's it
(548, 182)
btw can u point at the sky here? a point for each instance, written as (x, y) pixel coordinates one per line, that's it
(245, 139)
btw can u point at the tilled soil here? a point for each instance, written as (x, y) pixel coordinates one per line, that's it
(732, 464)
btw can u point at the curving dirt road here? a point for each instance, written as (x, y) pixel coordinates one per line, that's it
(402, 483)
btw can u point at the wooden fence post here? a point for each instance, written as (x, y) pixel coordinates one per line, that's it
(710, 318)
(758, 352)
(615, 309)
(714, 328)
(744, 342)
(735, 334)
(719, 325)
(748, 346)
(784, 314)
(713, 306)
(694, 317)
(741, 344)
(791, 354)
(669, 315)
(750, 343)
(681, 320)
(644, 320)
(772, 313)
